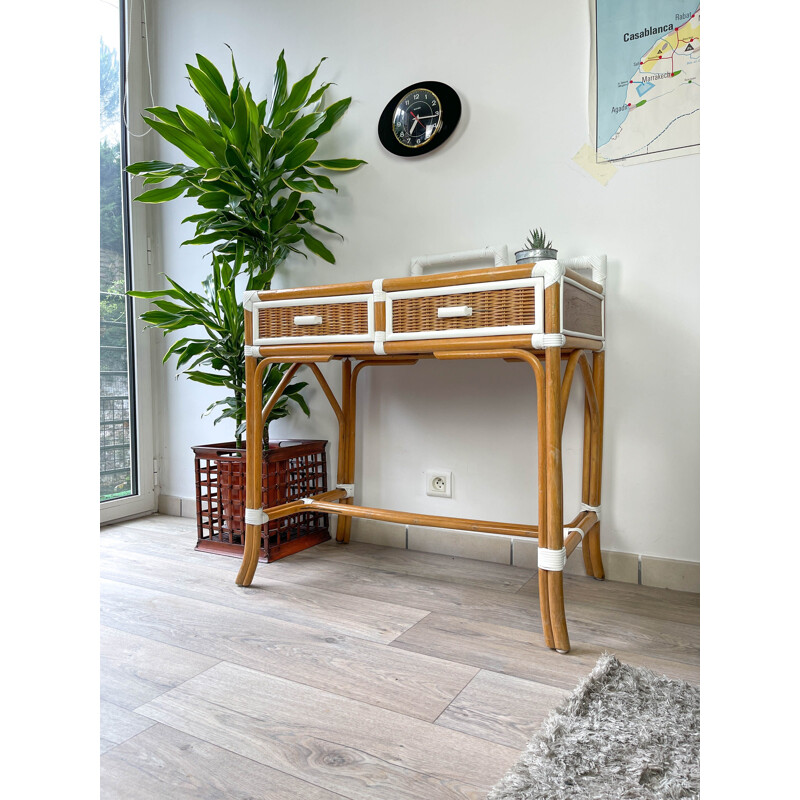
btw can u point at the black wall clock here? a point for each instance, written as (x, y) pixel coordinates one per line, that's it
(419, 118)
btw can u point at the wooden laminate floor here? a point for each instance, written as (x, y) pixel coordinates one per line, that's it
(345, 671)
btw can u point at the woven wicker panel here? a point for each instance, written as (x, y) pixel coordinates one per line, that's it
(338, 319)
(496, 308)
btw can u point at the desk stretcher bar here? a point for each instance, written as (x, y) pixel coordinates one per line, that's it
(535, 314)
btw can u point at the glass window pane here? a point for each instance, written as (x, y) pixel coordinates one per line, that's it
(117, 474)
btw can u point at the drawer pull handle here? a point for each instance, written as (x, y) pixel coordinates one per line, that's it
(454, 311)
(310, 320)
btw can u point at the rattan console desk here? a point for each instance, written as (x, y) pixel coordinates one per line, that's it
(535, 313)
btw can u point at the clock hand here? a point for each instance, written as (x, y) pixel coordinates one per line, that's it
(416, 120)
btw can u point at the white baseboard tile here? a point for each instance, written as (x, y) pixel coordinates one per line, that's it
(666, 573)
(167, 504)
(189, 507)
(387, 534)
(464, 544)
(177, 506)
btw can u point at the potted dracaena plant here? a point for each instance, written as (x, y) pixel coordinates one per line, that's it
(251, 168)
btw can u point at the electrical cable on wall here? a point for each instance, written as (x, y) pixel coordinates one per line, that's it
(127, 62)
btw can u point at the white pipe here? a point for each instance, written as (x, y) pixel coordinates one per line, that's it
(499, 253)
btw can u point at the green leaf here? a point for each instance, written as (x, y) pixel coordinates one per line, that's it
(240, 130)
(300, 186)
(186, 142)
(295, 133)
(279, 84)
(156, 179)
(298, 398)
(323, 181)
(217, 101)
(338, 164)
(166, 115)
(206, 216)
(317, 96)
(208, 137)
(316, 247)
(208, 378)
(299, 93)
(188, 297)
(212, 72)
(285, 211)
(190, 351)
(162, 195)
(206, 238)
(155, 293)
(143, 167)
(236, 160)
(333, 113)
(214, 200)
(300, 154)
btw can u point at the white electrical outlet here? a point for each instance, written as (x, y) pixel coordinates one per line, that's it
(439, 483)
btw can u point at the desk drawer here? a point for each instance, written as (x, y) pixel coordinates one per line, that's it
(477, 309)
(349, 318)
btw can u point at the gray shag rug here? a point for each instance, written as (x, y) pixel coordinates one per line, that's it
(625, 733)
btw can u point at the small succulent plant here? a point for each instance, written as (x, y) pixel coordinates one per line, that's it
(536, 240)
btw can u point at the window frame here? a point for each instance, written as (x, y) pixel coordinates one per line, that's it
(135, 228)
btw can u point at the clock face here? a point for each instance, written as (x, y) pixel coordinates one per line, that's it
(419, 118)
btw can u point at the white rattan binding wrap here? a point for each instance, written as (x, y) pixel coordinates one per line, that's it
(551, 270)
(348, 487)
(252, 351)
(596, 509)
(380, 338)
(255, 516)
(568, 531)
(552, 560)
(597, 264)
(540, 341)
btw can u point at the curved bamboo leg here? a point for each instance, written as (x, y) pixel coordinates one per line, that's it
(256, 417)
(587, 477)
(554, 500)
(566, 382)
(350, 463)
(252, 534)
(592, 539)
(541, 435)
(342, 523)
(591, 453)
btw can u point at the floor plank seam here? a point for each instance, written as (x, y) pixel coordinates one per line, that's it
(283, 580)
(290, 680)
(232, 752)
(461, 691)
(369, 755)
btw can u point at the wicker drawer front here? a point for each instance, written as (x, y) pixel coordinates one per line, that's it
(479, 309)
(348, 318)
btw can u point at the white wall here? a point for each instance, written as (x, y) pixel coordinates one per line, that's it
(521, 70)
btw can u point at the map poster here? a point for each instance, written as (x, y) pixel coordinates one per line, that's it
(645, 79)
